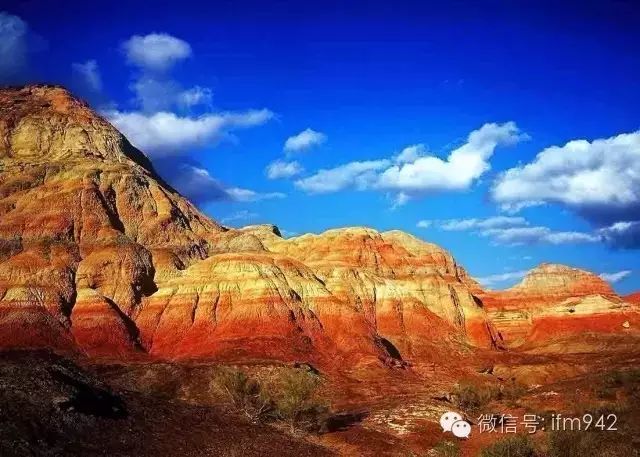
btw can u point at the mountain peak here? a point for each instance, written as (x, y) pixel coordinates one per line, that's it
(562, 279)
(47, 123)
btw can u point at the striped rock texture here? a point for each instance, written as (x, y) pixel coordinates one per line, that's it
(99, 256)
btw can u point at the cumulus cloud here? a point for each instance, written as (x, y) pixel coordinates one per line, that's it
(424, 224)
(615, 277)
(361, 175)
(412, 172)
(537, 235)
(411, 153)
(304, 140)
(14, 47)
(165, 133)
(155, 52)
(492, 280)
(161, 93)
(282, 169)
(89, 74)
(599, 180)
(461, 168)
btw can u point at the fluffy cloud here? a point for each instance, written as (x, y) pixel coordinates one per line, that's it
(537, 235)
(246, 195)
(155, 52)
(160, 93)
(165, 133)
(89, 74)
(491, 280)
(282, 169)
(461, 168)
(412, 173)
(424, 224)
(411, 153)
(13, 46)
(304, 140)
(615, 277)
(599, 180)
(361, 175)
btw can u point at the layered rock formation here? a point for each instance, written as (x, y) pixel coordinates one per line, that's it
(556, 301)
(99, 255)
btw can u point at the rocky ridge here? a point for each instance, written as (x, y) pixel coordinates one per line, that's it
(99, 256)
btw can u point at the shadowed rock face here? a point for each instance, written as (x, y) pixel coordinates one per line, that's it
(98, 255)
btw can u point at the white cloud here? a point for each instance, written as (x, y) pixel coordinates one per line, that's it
(599, 180)
(247, 195)
(463, 166)
(411, 173)
(195, 96)
(198, 185)
(165, 134)
(622, 234)
(304, 140)
(282, 169)
(411, 153)
(615, 277)
(491, 280)
(359, 174)
(89, 73)
(239, 216)
(537, 235)
(154, 93)
(488, 223)
(400, 199)
(13, 46)
(424, 224)
(156, 51)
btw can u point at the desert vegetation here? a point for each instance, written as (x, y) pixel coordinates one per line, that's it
(473, 396)
(289, 398)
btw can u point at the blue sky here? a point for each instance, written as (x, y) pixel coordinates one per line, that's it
(385, 98)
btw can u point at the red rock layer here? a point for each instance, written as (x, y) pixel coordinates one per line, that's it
(556, 301)
(98, 254)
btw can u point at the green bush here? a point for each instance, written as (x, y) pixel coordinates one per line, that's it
(245, 394)
(296, 401)
(512, 446)
(290, 397)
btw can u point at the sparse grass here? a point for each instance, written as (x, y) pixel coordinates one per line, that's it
(589, 444)
(627, 381)
(246, 394)
(297, 403)
(447, 449)
(290, 398)
(512, 446)
(470, 396)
